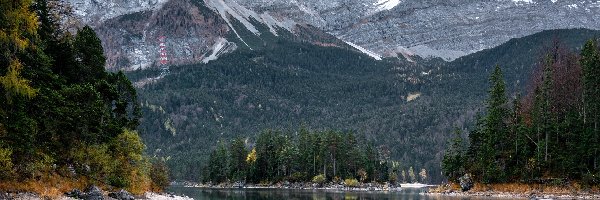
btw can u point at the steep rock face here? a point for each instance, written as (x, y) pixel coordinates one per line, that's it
(428, 28)
(439, 28)
(195, 30)
(95, 12)
(192, 35)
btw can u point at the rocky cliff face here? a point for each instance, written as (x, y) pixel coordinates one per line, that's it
(195, 29)
(440, 28)
(131, 40)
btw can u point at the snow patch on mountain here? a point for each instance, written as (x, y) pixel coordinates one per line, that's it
(386, 4)
(221, 47)
(227, 8)
(224, 10)
(523, 1)
(573, 6)
(273, 23)
(370, 53)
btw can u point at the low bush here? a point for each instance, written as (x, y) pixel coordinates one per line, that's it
(351, 182)
(319, 179)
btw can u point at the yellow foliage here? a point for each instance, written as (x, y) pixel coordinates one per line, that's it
(319, 179)
(41, 165)
(6, 165)
(251, 158)
(140, 181)
(129, 146)
(18, 23)
(351, 182)
(131, 168)
(50, 186)
(14, 84)
(97, 157)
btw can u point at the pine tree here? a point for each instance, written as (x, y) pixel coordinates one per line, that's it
(495, 129)
(453, 161)
(412, 175)
(590, 63)
(90, 54)
(237, 159)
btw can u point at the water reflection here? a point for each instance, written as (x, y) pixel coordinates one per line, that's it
(278, 194)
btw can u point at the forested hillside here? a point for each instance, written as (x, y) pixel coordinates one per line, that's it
(63, 118)
(549, 134)
(407, 109)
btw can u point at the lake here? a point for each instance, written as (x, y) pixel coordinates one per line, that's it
(295, 194)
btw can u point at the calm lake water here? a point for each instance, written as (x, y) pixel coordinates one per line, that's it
(293, 194)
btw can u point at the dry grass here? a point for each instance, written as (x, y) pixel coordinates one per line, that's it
(522, 188)
(54, 186)
(445, 188)
(51, 186)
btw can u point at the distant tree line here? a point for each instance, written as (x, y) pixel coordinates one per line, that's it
(552, 133)
(304, 156)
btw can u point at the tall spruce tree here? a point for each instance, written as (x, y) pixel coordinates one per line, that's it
(590, 63)
(495, 129)
(453, 161)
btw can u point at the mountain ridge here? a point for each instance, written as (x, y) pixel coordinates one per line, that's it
(427, 29)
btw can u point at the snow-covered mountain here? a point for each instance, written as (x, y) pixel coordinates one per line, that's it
(196, 30)
(439, 28)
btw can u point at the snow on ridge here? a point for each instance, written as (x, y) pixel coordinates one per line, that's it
(370, 53)
(386, 4)
(243, 15)
(523, 1)
(220, 7)
(272, 23)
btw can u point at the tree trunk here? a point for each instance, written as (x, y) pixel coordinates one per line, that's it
(595, 148)
(546, 153)
(324, 168)
(334, 163)
(314, 164)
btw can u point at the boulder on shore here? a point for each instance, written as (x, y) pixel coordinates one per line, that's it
(466, 183)
(75, 193)
(121, 195)
(93, 193)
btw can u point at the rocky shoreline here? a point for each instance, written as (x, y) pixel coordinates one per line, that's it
(466, 187)
(309, 186)
(93, 193)
(514, 195)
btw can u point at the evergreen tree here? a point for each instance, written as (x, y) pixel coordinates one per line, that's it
(551, 134)
(453, 162)
(90, 54)
(218, 164)
(237, 159)
(590, 63)
(495, 129)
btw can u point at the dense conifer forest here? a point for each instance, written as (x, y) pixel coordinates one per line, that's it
(549, 134)
(407, 108)
(305, 156)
